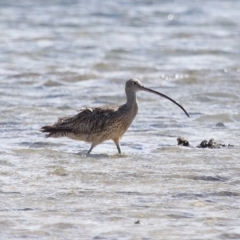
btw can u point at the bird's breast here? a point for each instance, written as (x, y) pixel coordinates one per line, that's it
(128, 117)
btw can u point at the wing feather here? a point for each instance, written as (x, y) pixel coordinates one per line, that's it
(89, 120)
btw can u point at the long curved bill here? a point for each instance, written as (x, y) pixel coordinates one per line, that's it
(162, 95)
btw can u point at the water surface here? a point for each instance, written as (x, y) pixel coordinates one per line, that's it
(59, 56)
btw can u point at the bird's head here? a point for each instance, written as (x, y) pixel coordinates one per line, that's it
(133, 85)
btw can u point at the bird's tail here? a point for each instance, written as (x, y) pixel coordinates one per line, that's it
(54, 131)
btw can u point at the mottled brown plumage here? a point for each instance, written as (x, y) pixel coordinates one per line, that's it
(99, 124)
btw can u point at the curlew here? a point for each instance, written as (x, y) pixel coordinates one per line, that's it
(96, 125)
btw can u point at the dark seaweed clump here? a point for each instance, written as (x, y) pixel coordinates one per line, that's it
(204, 144)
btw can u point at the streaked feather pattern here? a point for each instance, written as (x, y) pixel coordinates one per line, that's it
(89, 122)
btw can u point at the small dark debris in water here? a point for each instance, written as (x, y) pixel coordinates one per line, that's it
(182, 142)
(51, 83)
(99, 238)
(220, 124)
(204, 144)
(212, 144)
(137, 222)
(209, 178)
(25, 209)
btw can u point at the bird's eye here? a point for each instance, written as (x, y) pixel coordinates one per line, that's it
(134, 83)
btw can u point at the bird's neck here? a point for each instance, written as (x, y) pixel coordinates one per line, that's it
(131, 98)
(132, 102)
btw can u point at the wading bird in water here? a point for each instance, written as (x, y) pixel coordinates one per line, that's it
(96, 125)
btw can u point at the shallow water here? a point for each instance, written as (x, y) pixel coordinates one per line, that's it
(61, 56)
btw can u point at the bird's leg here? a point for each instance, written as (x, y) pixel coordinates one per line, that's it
(91, 148)
(116, 141)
